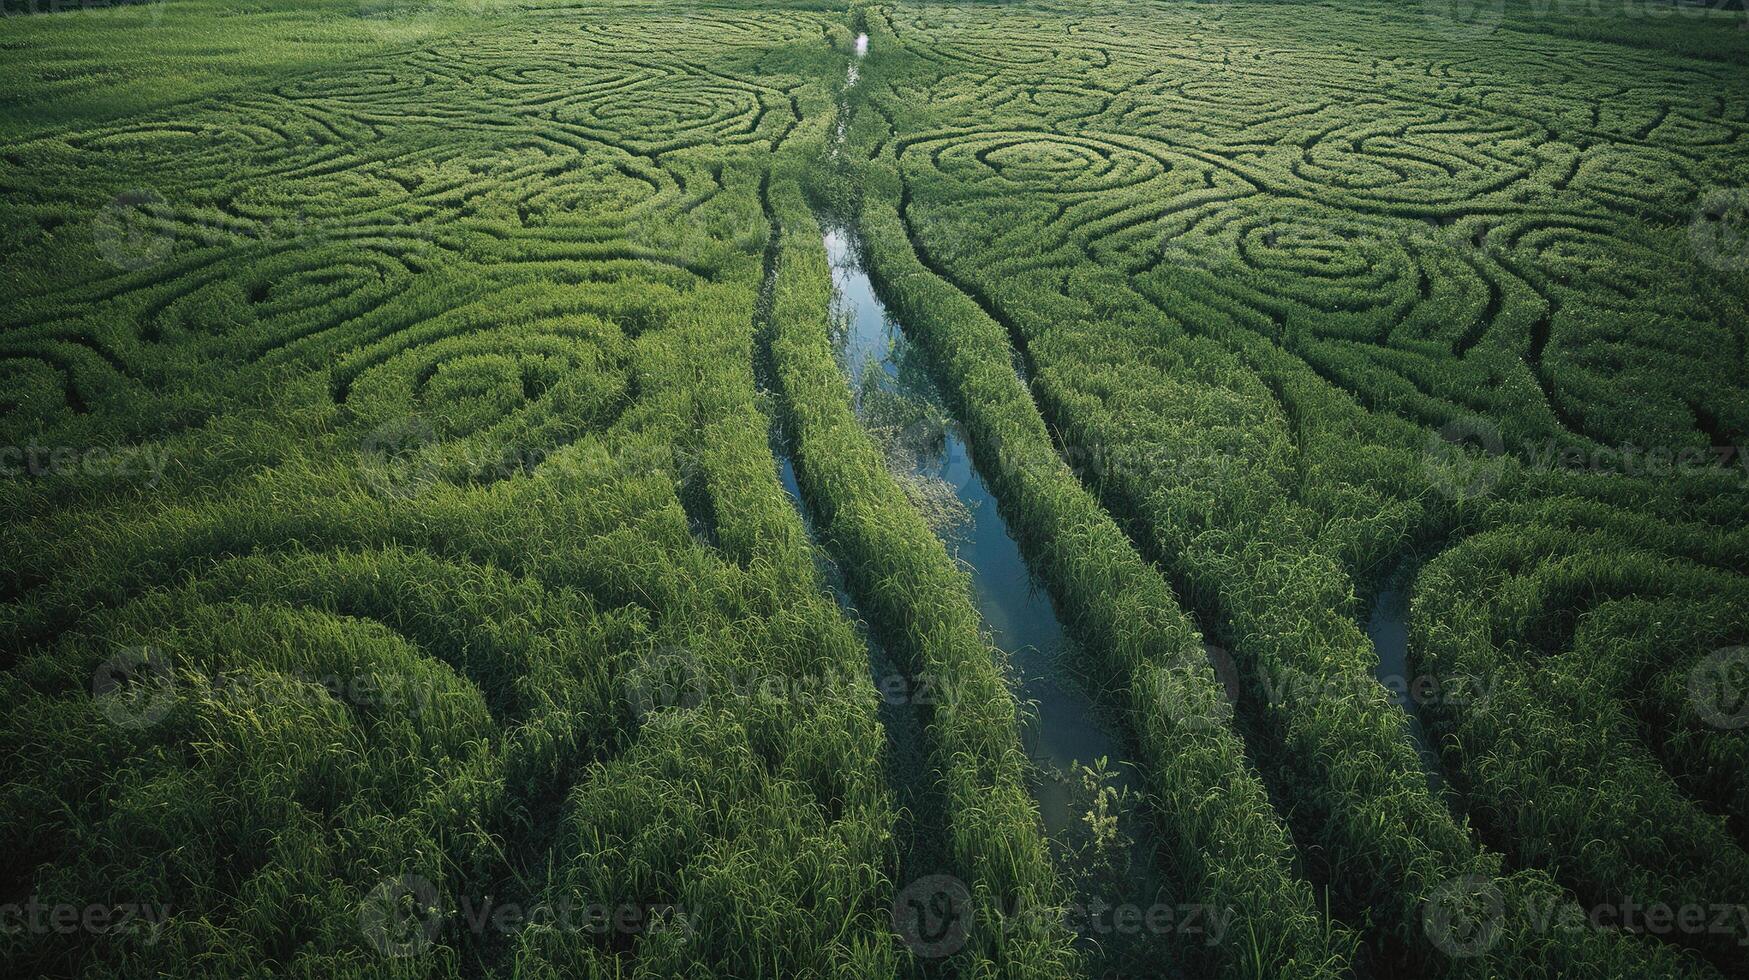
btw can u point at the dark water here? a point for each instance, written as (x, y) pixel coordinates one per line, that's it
(1067, 729)
(1387, 626)
(899, 406)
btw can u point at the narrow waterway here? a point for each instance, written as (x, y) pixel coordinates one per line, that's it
(1068, 729)
(895, 399)
(850, 76)
(897, 402)
(1387, 625)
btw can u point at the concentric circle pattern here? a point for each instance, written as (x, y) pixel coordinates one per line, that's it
(1419, 177)
(390, 394)
(1440, 300)
(368, 426)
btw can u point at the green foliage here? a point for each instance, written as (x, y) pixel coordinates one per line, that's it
(1254, 295)
(449, 574)
(921, 609)
(395, 537)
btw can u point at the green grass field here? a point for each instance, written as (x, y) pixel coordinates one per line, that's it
(447, 536)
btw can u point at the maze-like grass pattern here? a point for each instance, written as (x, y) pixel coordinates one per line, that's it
(1266, 272)
(433, 371)
(445, 357)
(1424, 227)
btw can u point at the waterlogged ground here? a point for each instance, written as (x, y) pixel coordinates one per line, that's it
(1388, 628)
(1068, 730)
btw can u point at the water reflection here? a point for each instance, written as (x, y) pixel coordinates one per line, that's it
(899, 405)
(1387, 626)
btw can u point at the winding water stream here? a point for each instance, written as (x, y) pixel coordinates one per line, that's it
(898, 405)
(1387, 626)
(1068, 728)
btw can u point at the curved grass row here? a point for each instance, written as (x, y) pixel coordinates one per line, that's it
(1562, 632)
(461, 583)
(1229, 849)
(921, 611)
(1261, 487)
